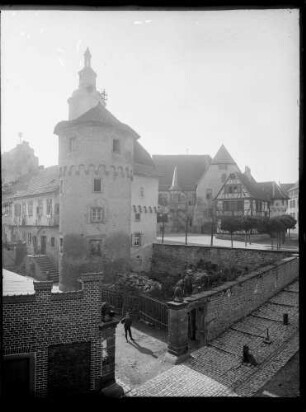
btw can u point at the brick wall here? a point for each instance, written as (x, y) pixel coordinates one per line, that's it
(32, 323)
(172, 259)
(232, 301)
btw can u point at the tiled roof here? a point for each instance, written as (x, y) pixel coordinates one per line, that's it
(44, 181)
(272, 190)
(190, 169)
(223, 157)
(253, 188)
(143, 163)
(286, 186)
(97, 116)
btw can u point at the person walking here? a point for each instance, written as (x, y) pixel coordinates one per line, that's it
(127, 322)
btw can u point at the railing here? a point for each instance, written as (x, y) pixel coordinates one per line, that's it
(144, 307)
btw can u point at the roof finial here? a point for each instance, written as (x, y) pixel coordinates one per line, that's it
(87, 57)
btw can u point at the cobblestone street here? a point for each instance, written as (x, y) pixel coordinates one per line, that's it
(217, 370)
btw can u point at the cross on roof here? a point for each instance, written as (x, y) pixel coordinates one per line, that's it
(104, 96)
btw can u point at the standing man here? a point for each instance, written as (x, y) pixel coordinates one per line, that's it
(127, 322)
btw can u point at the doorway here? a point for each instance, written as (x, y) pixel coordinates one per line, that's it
(192, 324)
(17, 377)
(43, 244)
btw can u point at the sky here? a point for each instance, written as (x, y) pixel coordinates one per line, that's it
(185, 81)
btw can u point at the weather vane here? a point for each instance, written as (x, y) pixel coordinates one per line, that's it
(104, 96)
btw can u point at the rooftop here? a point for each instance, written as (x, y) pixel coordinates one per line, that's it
(273, 190)
(97, 116)
(190, 169)
(14, 284)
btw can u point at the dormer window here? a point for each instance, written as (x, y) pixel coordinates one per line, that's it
(72, 144)
(116, 146)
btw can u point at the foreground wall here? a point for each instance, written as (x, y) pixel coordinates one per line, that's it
(216, 310)
(172, 259)
(60, 334)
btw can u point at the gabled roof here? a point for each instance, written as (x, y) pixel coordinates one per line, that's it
(97, 116)
(252, 187)
(143, 163)
(286, 187)
(190, 169)
(272, 190)
(44, 181)
(223, 157)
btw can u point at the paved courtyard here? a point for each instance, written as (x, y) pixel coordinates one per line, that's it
(200, 239)
(218, 366)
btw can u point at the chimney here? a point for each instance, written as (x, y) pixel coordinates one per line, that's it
(247, 171)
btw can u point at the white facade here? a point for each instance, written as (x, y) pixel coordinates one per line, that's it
(293, 205)
(143, 219)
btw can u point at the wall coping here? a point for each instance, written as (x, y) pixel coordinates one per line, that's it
(226, 248)
(244, 278)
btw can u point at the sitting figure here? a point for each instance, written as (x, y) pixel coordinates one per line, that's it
(178, 292)
(107, 312)
(247, 357)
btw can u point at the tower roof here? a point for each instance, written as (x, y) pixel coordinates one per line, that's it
(97, 116)
(223, 157)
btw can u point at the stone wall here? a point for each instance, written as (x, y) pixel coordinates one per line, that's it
(32, 324)
(232, 301)
(172, 259)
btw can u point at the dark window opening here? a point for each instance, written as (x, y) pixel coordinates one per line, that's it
(116, 146)
(97, 185)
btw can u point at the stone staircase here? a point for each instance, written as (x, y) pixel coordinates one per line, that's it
(46, 265)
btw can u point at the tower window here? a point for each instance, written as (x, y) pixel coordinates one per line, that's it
(72, 144)
(96, 214)
(97, 185)
(137, 217)
(95, 247)
(52, 241)
(116, 146)
(142, 192)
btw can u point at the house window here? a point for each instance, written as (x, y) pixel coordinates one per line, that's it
(39, 209)
(96, 214)
(30, 208)
(56, 208)
(97, 185)
(52, 241)
(24, 208)
(233, 206)
(223, 167)
(29, 238)
(137, 217)
(72, 144)
(61, 245)
(136, 239)
(17, 209)
(49, 207)
(142, 192)
(95, 247)
(116, 146)
(223, 177)
(258, 206)
(7, 209)
(209, 194)
(61, 186)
